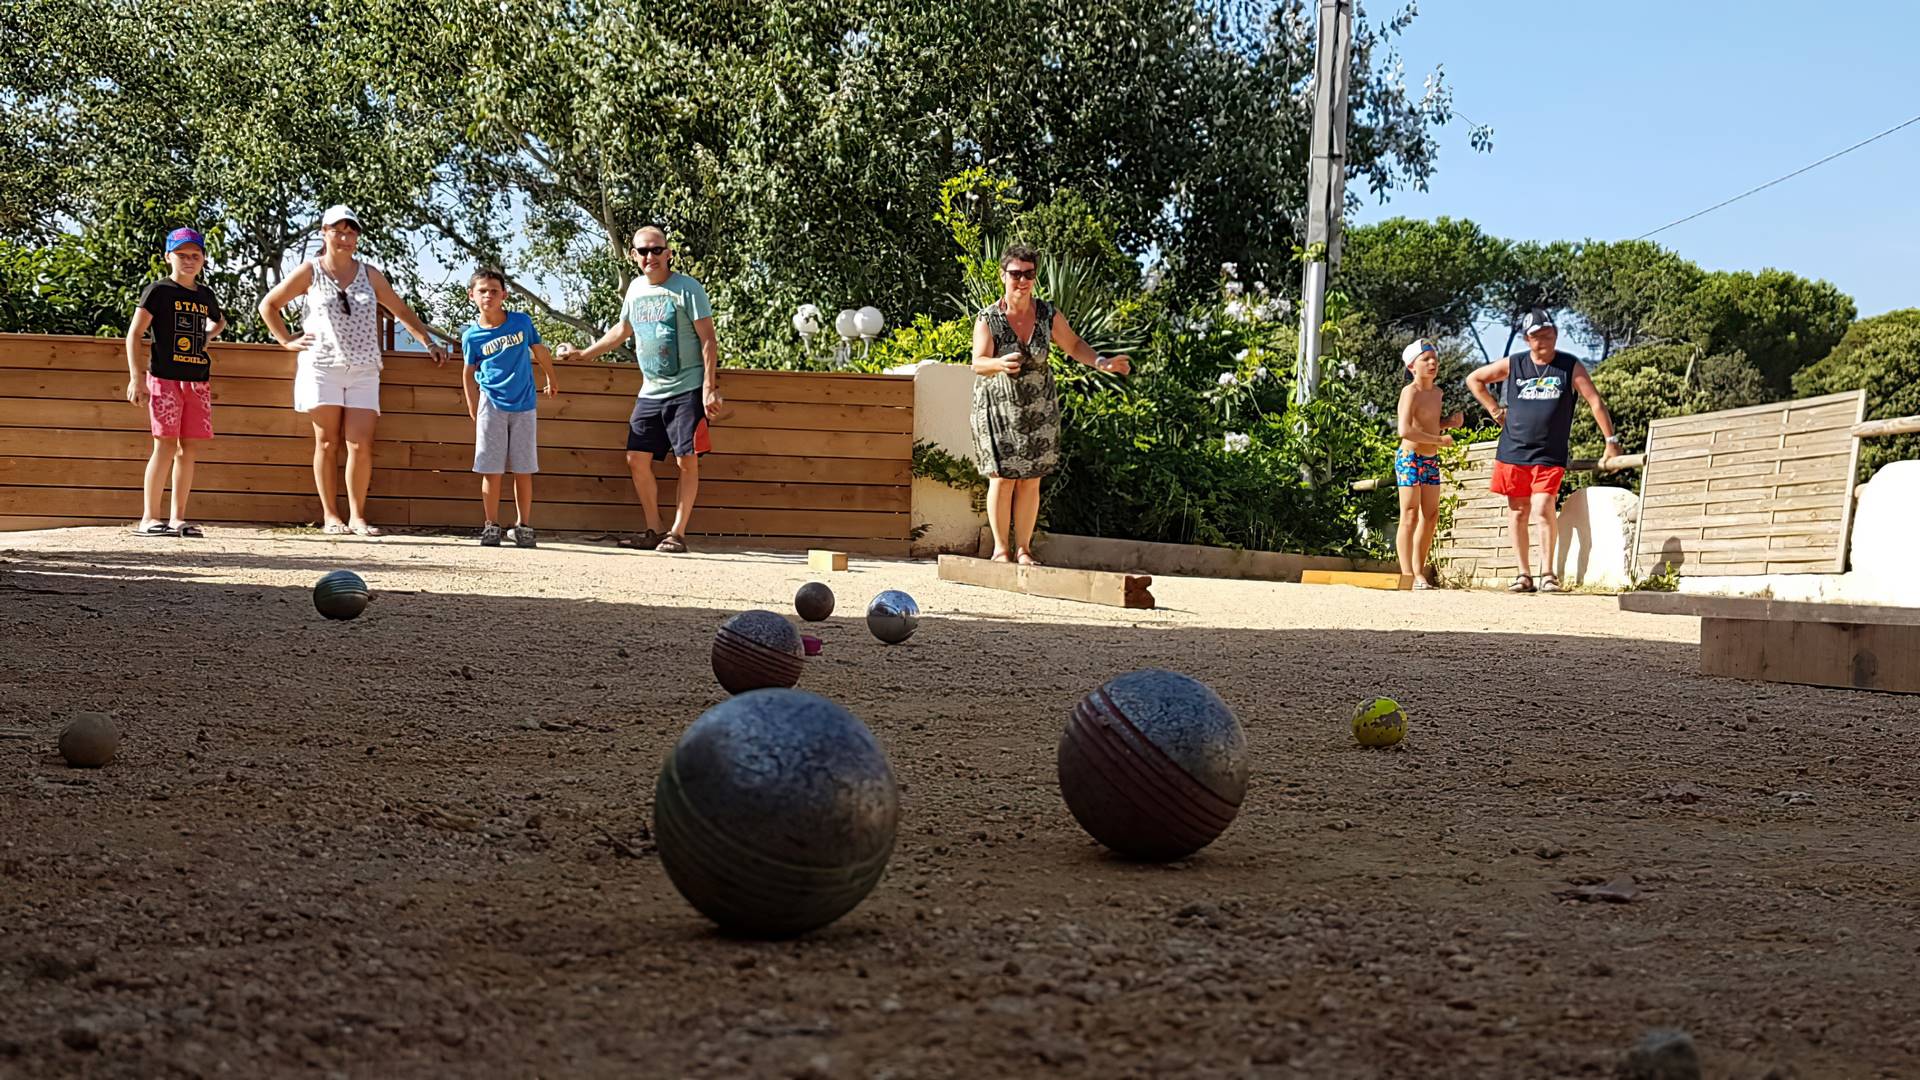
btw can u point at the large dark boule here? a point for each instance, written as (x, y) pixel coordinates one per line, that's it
(341, 594)
(893, 616)
(1153, 765)
(89, 741)
(755, 650)
(775, 813)
(814, 601)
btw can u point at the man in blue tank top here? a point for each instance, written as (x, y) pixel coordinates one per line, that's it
(1531, 460)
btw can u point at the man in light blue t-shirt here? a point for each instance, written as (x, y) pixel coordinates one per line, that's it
(670, 320)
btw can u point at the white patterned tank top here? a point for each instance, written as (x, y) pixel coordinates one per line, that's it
(346, 332)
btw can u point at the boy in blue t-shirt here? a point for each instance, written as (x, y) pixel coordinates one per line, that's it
(500, 347)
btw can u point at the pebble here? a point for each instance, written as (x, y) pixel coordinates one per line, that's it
(1661, 1055)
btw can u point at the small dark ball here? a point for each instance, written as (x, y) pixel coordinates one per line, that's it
(341, 594)
(89, 741)
(814, 601)
(775, 813)
(1153, 765)
(755, 650)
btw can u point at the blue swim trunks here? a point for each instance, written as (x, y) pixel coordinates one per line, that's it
(1413, 470)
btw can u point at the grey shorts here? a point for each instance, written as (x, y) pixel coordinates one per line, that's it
(504, 442)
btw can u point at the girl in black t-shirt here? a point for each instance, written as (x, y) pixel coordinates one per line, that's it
(184, 317)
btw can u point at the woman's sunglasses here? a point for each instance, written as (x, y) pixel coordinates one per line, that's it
(1021, 275)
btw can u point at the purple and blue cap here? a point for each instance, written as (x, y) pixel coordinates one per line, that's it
(183, 236)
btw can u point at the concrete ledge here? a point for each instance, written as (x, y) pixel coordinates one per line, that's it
(1180, 560)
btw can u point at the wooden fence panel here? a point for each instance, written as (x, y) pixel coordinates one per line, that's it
(1761, 490)
(1477, 545)
(803, 459)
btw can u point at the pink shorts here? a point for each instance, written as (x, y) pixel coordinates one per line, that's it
(180, 410)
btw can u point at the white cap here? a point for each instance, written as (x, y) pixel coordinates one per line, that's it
(337, 213)
(1414, 351)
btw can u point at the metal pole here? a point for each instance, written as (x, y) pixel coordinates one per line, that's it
(1326, 183)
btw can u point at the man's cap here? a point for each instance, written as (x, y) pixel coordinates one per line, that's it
(1414, 351)
(183, 236)
(338, 213)
(1535, 320)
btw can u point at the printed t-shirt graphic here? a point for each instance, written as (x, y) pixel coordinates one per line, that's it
(181, 320)
(502, 359)
(664, 340)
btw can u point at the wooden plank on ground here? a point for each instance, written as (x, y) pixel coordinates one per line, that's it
(1858, 656)
(1760, 607)
(1110, 588)
(1356, 578)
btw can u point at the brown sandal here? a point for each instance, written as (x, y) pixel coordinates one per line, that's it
(672, 545)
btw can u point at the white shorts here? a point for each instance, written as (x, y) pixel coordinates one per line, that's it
(353, 387)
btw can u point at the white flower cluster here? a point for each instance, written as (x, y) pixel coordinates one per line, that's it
(1227, 378)
(1237, 443)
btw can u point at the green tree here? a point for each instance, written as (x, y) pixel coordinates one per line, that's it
(1416, 277)
(1531, 275)
(1881, 355)
(1630, 290)
(1780, 320)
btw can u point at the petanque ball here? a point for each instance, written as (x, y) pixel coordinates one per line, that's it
(775, 813)
(89, 741)
(893, 616)
(814, 601)
(1153, 765)
(1379, 722)
(341, 594)
(757, 649)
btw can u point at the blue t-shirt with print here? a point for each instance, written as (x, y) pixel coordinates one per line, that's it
(502, 358)
(664, 341)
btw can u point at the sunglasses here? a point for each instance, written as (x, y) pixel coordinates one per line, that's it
(643, 252)
(1021, 275)
(344, 306)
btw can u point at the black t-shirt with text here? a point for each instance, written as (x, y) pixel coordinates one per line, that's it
(1539, 410)
(182, 318)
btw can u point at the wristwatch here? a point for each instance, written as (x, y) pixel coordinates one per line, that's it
(1614, 439)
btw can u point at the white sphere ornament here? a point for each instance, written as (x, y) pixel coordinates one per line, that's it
(807, 320)
(846, 323)
(869, 322)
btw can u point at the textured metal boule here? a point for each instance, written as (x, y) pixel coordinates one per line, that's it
(341, 594)
(775, 813)
(1153, 765)
(755, 650)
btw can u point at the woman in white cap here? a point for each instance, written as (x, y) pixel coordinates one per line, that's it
(337, 381)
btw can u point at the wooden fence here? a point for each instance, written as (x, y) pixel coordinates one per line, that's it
(1764, 490)
(804, 459)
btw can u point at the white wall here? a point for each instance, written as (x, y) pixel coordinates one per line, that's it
(942, 410)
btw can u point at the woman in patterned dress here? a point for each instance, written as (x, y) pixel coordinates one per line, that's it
(1016, 411)
(337, 380)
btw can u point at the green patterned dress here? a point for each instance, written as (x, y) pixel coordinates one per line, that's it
(1016, 418)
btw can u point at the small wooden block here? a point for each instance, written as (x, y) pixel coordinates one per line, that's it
(1107, 587)
(1360, 578)
(819, 559)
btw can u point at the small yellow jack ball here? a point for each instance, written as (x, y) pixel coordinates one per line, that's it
(1379, 722)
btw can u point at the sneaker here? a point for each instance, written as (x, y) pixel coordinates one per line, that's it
(524, 536)
(490, 535)
(1549, 583)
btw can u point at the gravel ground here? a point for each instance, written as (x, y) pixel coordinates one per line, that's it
(417, 844)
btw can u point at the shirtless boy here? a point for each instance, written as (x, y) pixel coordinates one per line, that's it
(1416, 466)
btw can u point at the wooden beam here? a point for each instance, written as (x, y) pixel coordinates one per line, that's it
(1766, 609)
(1086, 586)
(1903, 425)
(1612, 464)
(1357, 578)
(829, 561)
(1851, 655)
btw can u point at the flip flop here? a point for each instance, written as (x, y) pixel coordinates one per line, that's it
(158, 528)
(335, 528)
(365, 530)
(189, 530)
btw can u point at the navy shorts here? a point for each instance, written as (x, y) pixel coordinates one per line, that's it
(675, 426)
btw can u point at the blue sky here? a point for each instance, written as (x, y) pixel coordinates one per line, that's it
(1612, 119)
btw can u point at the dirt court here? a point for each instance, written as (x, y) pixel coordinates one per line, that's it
(416, 845)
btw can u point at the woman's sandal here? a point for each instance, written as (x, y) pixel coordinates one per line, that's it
(1549, 583)
(1001, 556)
(187, 529)
(365, 530)
(335, 528)
(158, 528)
(1026, 558)
(1522, 583)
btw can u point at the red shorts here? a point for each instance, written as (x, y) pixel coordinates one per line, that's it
(180, 410)
(1519, 481)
